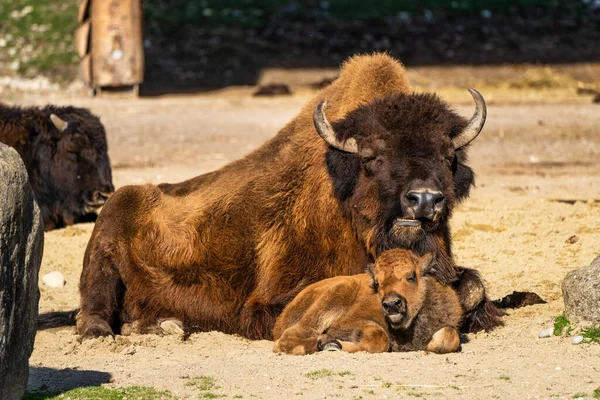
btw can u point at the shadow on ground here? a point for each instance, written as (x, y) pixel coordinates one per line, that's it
(42, 379)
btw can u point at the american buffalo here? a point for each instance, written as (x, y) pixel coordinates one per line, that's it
(396, 306)
(65, 153)
(229, 249)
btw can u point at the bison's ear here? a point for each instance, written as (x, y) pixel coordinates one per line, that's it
(60, 124)
(426, 264)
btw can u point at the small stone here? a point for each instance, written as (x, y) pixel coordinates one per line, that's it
(54, 279)
(577, 339)
(545, 333)
(129, 351)
(572, 239)
(172, 327)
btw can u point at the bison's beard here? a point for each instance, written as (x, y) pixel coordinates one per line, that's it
(401, 233)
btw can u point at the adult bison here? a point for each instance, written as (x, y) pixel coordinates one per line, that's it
(229, 249)
(65, 153)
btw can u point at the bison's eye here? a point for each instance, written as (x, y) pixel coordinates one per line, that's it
(412, 278)
(371, 164)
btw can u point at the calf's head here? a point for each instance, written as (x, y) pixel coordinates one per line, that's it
(397, 278)
(398, 165)
(72, 171)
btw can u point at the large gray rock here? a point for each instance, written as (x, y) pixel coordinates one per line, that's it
(21, 246)
(581, 291)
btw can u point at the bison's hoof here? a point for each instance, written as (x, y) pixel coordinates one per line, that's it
(95, 330)
(172, 327)
(330, 345)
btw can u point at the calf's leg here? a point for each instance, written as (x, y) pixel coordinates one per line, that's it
(297, 340)
(446, 340)
(371, 338)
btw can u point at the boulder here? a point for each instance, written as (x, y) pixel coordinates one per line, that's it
(581, 291)
(21, 246)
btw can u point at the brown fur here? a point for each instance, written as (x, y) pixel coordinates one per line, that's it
(229, 249)
(348, 310)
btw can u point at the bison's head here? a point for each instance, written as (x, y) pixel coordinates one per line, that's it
(398, 279)
(398, 166)
(72, 171)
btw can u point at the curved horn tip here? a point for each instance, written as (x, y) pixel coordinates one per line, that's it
(59, 123)
(326, 131)
(476, 123)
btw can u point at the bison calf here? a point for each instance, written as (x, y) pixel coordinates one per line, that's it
(64, 150)
(396, 306)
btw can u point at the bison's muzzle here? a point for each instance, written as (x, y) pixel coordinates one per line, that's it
(395, 309)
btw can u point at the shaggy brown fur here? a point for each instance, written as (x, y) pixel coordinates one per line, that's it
(349, 313)
(229, 249)
(69, 171)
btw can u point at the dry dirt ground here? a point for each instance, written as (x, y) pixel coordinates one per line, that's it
(537, 149)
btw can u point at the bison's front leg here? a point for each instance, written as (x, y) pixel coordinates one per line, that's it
(100, 288)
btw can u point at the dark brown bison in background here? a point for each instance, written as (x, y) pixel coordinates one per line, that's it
(229, 249)
(65, 152)
(396, 306)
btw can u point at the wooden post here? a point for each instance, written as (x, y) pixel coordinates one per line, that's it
(110, 43)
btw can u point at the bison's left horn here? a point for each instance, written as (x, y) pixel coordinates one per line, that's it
(60, 124)
(326, 131)
(475, 124)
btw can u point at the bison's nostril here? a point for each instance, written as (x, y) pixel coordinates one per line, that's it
(412, 197)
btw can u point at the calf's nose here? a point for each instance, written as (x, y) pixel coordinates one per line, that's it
(425, 203)
(394, 304)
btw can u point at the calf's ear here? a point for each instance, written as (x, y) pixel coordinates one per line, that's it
(369, 270)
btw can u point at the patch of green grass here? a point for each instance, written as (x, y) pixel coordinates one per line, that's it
(209, 395)
(202, 382)
(591, 334)
(37, 35)
(324, 373)
(579, 395)
(454, 387)
(504, 377)
(318, 374)
(562, 323)
(102, 393)
(386, 384)
(369, 391)
(596, 393)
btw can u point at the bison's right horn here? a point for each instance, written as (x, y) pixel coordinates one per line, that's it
(326, 131)
(476, 123)
(60, 124)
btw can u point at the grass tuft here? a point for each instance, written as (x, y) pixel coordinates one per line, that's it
(562, 323)
(202, 382)
(324, 373)
(591, 334)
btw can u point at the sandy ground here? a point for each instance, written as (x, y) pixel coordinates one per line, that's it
(532, 153)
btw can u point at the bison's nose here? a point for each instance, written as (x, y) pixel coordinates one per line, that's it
(425, 204)
(394, 304)
(100, 196)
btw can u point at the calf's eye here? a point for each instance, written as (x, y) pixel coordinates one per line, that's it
(412, 277)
